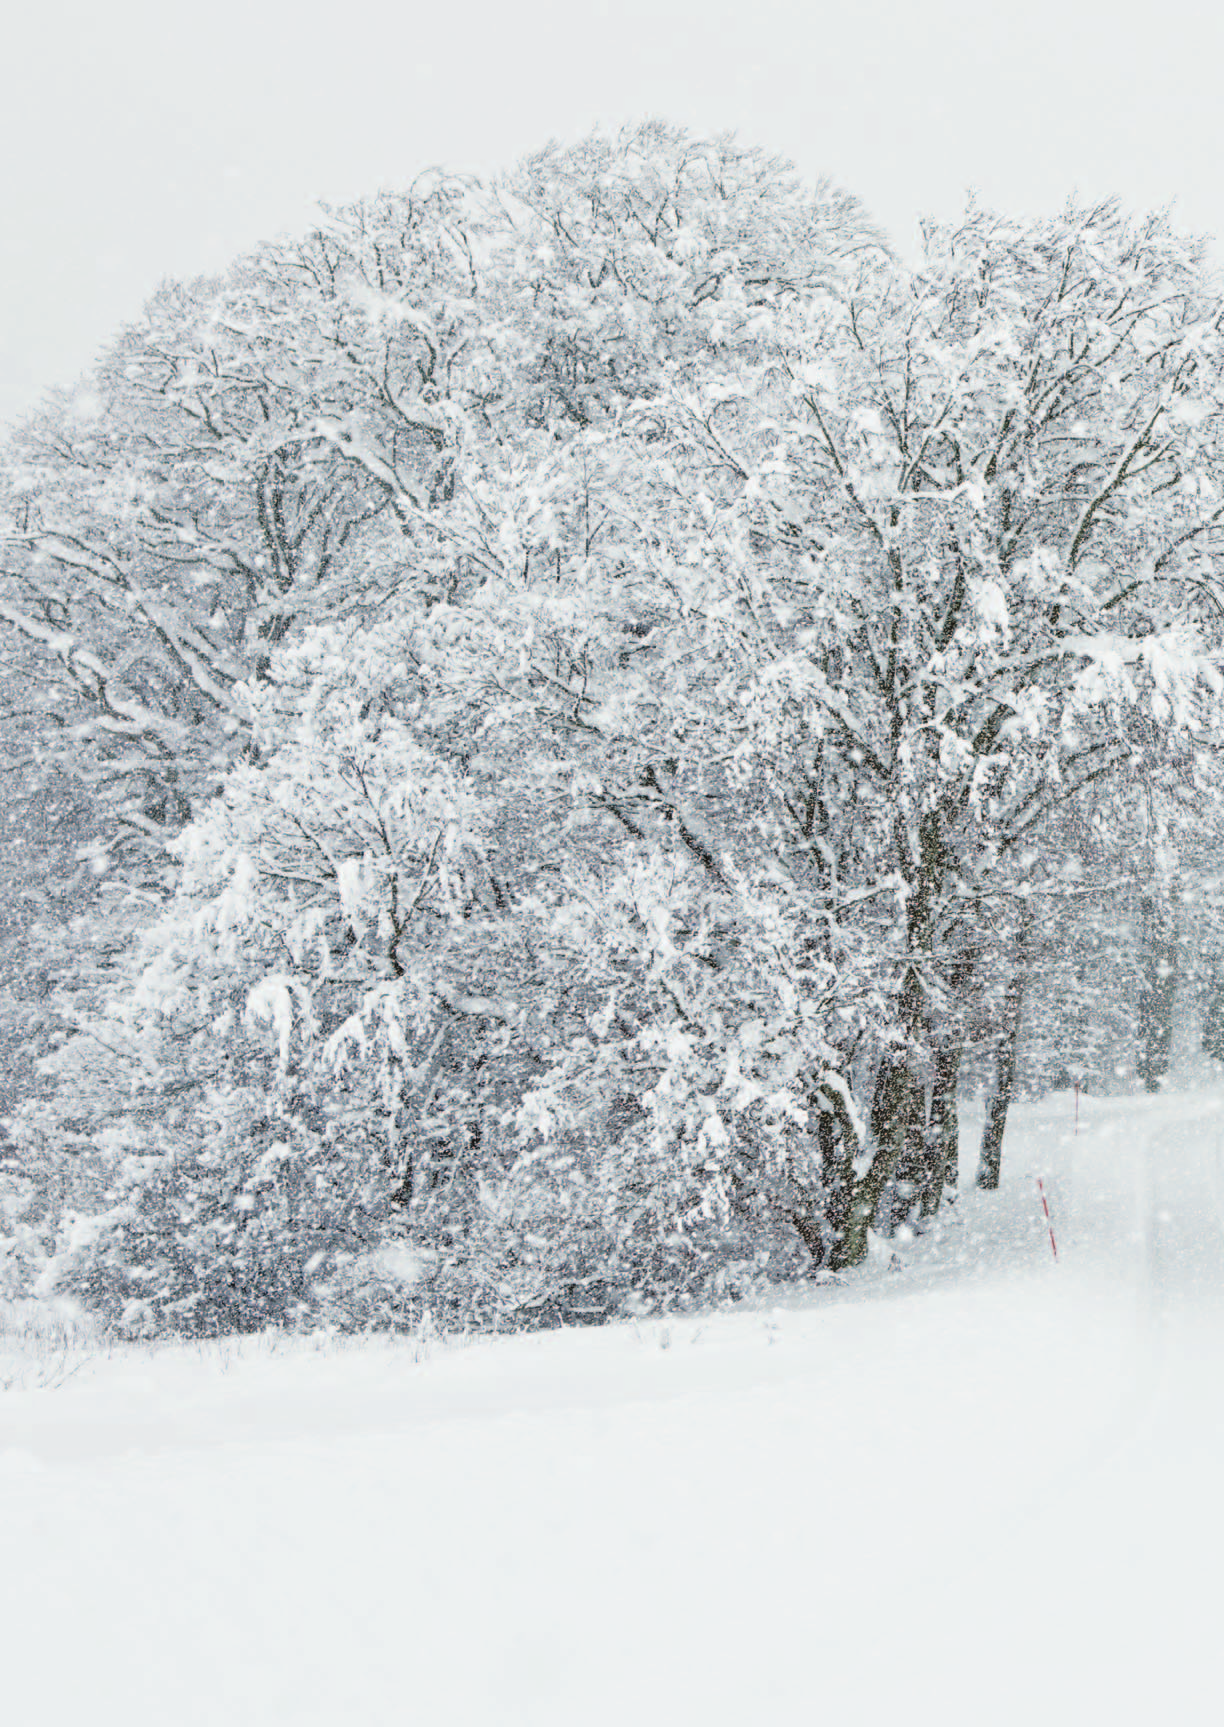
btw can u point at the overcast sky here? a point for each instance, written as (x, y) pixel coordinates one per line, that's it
(143, 138)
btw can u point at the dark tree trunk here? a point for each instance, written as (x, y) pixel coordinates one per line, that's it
(943, 1130)
(838, 1146)
(897, 1114)
(1161, 942)
(904, 1190)
(942, 1149)
(811, 1235)
(990, 1164)
(1213, 1023)
(821, 1219)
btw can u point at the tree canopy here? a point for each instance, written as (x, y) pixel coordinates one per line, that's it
(628, 677)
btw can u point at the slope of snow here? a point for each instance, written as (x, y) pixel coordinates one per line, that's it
(983, 1489)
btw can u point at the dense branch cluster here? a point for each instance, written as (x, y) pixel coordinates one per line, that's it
(628, 685)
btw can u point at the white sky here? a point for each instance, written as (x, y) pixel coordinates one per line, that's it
(142, 139)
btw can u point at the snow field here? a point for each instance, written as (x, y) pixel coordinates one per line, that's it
(986, 1489)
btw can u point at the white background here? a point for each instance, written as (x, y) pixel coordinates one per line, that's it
(145, 138)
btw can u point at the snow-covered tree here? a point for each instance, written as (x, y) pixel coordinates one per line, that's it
(680, 769)
(1006, 471)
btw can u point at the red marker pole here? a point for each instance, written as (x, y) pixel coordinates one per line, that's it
(1045, 1207)
(1077, 1086)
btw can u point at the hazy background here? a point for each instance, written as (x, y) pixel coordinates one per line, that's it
(145, 139)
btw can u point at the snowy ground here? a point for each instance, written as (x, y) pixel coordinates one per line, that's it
(987, 1489)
